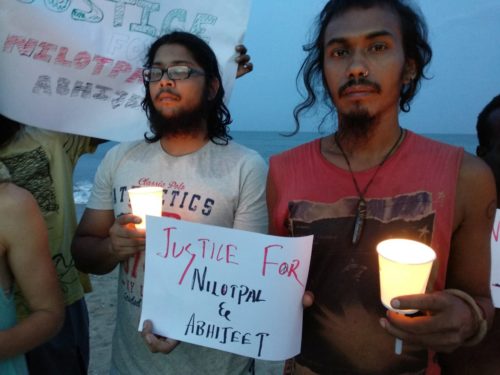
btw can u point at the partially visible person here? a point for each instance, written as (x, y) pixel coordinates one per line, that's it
(206, 178)
(483, 359)
(24, 261)
(372, 180)
(42, 162)
(488, 135)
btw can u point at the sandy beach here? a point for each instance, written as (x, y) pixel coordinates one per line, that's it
(101, 303)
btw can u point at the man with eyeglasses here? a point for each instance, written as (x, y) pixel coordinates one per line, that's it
(206, 179)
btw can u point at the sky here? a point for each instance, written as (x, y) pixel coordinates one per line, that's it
(465, 70)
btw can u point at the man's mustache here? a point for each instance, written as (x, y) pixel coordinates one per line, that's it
(359, 82)
(166, 90)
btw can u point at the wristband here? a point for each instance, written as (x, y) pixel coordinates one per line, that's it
(482, 324)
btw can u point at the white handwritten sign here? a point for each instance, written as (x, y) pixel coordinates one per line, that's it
(75, 65)
(223, 288)
(495, 261)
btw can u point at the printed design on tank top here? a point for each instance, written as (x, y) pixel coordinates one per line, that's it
(345, 280)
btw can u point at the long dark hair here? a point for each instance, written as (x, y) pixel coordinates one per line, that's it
(8, 129)
(218, 116)
(483, 127)
(415, 46)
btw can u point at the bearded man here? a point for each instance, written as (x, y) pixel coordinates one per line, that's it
(206, 178)
(373, 180)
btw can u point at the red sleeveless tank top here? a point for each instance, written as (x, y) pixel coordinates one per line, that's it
(412, 196)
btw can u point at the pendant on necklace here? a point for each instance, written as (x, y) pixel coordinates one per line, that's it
(359, 222)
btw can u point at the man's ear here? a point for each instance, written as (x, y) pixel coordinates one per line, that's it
(213, 89)
(409, 71)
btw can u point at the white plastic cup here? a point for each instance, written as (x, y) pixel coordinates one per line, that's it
(404, 266)
(146, 201)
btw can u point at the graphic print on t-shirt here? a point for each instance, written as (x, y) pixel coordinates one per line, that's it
(345, 281)
(178, 202)
(175, 197)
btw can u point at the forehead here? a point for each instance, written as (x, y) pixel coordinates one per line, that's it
(358, 23)
(169, 54)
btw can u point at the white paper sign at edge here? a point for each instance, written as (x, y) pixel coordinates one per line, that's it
(495, 261)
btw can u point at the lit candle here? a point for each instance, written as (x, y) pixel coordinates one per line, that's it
(146, 201)
(404, 267)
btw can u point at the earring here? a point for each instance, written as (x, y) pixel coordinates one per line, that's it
(409, 79)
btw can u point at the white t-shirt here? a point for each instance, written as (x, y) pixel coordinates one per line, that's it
(216, 185)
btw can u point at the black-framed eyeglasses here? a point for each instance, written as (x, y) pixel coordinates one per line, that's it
(175, 73)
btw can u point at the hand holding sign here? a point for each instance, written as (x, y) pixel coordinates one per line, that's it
(224, 288)
(243, 61)
(156, 343)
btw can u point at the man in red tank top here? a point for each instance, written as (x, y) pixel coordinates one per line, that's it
(373, 180)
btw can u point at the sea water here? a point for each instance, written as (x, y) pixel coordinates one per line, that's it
(267, 143)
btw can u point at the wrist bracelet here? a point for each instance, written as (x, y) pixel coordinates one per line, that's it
(477, 312)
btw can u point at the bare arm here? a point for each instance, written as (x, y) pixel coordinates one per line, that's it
(101, 242)
(470, 257)
(449, 321)
(23, 239)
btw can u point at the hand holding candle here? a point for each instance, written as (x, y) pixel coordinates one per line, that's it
(146, 201)
(404, 267)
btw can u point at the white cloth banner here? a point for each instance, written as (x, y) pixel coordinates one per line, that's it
(495, 261)
(226, 289)
(75, 65)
